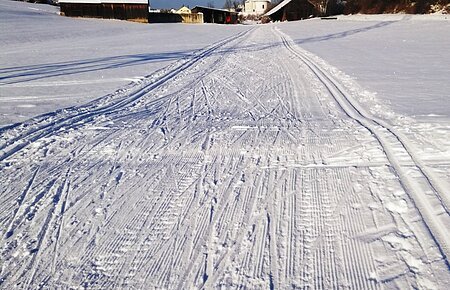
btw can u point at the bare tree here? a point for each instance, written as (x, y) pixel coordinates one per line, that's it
(228, 4)
(210, 4)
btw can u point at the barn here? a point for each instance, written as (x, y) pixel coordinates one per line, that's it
(132, 10)
(291, 10)
(214, 15)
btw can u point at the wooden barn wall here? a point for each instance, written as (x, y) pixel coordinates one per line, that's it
(175, 18)
(81, 10)
(164, 18)
(192, 18)
(138, 12)
(134, 12)
(297, 10)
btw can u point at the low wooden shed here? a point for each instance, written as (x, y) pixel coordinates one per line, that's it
(133, 10)
(214, 15)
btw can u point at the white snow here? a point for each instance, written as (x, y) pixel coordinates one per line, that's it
(275, 156)
(52, 62)
(401, 58)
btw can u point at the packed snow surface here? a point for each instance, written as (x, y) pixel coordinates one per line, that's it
(246, 162)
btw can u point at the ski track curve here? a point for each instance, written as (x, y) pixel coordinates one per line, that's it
(87, 114)
(246, 165)
(389, 138)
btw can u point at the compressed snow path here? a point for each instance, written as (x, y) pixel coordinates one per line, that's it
(248, 164)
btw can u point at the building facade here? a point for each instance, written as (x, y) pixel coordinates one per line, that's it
(184, 10)
(132, 10)
(256, 6)
(214, 15)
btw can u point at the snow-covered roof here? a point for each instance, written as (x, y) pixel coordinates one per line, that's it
(105, 1)
(81, 1)
(126, 1)
(278, 7)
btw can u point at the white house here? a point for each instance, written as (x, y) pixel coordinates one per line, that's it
(256, 6)
(184, 10)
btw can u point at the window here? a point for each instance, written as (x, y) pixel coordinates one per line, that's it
(263, 6)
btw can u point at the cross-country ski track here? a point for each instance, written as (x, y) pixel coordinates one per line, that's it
(226, 169)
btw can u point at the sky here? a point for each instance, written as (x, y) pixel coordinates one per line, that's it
(179, 3)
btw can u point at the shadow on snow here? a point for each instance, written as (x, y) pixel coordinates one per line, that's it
(13, 75)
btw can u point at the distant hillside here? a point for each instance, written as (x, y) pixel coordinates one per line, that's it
(333, 7)
(396, 6)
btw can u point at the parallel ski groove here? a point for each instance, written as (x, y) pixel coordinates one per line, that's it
(222, 177)
(377, 126)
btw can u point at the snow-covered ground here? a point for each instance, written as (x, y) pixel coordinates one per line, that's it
(49, 62)
(403, 58)
(248, 162)
(396, 67)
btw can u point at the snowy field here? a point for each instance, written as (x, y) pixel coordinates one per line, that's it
(403, 58)
(311, 154)
(48, 61)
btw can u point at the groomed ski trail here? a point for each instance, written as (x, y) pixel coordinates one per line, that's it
(244, 166)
